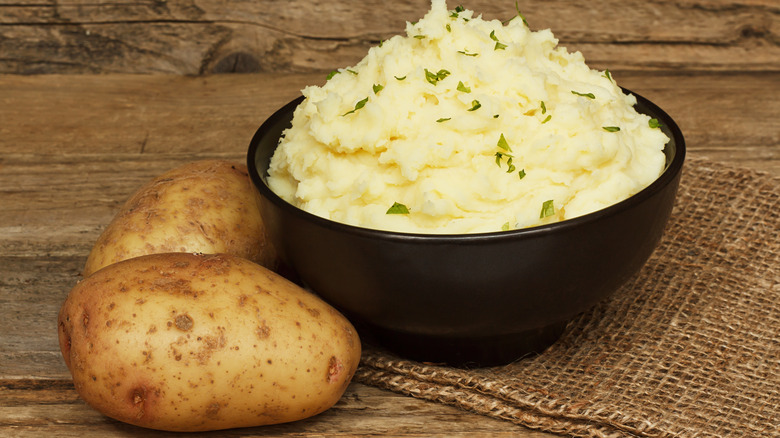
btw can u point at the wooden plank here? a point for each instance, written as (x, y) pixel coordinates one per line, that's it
(216, 36)
(52, 407)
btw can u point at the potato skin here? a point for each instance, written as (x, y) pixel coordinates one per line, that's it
(206, 206)
(186, 342)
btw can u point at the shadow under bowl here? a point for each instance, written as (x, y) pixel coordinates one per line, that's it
(472, 299)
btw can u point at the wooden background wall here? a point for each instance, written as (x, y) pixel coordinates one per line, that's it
(195, 37)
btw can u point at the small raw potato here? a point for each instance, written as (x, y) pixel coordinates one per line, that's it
(186, 342)
(207, 206)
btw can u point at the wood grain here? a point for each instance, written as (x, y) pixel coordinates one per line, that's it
(81, 129)
(218, 36)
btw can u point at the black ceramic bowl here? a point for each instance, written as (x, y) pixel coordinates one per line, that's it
(478, 299)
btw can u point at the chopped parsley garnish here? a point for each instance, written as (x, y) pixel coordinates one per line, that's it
(358, 105)
(401, 78)
(475, 105)
(506, 227)
(611, 128)
(434, 78)
(352, 71)
(521, 173)
(547, 119)
(495, 116)
(398, 208)
(377, 88)
(519, 14)
(465, 52)
(449, 29)
(419, 37)
(458, 10)
(588, 95)
(608, 75)
(462, 87)
(654, 123)
(498, 45)
(548, 209)
(544, 108)
(499, 156)
(502, 143)
(333, 73)
(511, 166)
(443, 119)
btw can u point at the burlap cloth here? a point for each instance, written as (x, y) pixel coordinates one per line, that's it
(690, 347)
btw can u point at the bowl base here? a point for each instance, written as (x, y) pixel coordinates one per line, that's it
(464, 352)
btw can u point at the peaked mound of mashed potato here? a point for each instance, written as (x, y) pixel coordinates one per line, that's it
(465, 126)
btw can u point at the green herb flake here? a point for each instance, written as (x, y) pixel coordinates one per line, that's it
(506, 227)
(377, 88)
(611, 128)
(502, 143)
(520, 14)
(608, 75)
(419, 37)
(434, 78)
(465, 52)
(511, 166)
(495, 116)
(358, 105)
(499, 46)
(398, 208)
(458, 10)
(500, 155)
(548, 209)
(449, 29)
(547, 119)
(654, 123)
(475, 105)
(352, 71)
(462, 87)
(588, 95)
(333, 73)
(401, 78)
(493, 35)
(443, 119)
(521, 173)
(544, 108)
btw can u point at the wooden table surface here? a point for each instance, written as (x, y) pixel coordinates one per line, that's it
(74, 147)
(97, 98)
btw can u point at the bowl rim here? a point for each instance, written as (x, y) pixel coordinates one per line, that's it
(669, 174)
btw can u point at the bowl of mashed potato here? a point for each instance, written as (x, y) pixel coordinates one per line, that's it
(467, 188)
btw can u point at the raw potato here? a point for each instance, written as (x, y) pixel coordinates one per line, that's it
(186, 342)
(207, 206)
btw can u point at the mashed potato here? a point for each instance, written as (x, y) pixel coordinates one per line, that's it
(465, 126)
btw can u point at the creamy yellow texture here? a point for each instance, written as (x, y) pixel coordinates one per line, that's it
(431, 120)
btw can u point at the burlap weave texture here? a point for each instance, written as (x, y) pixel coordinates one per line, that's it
(690, 347)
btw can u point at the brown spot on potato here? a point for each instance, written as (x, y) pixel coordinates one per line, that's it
(335, 369)
(184, 322)
(212, 411)
(242, 300)
(263, 331)
(313, 312)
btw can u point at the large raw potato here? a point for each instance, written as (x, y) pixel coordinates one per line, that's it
(187, 342)
(207, 206)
